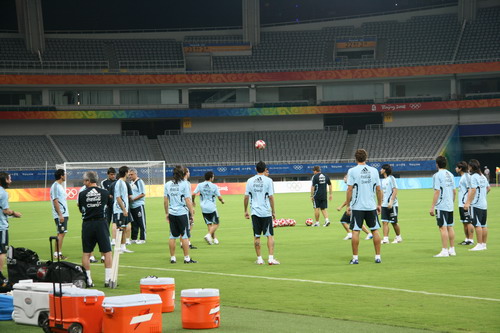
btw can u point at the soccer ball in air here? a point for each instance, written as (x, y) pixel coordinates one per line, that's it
(260, 144)
(309, 222)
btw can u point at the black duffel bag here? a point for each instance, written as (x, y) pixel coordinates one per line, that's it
(66, 272)
(23, 263)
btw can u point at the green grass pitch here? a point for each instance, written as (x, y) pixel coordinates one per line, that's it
(314, 289)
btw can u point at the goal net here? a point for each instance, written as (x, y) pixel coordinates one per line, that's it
(151, 172)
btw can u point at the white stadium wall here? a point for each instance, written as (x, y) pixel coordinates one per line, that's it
(246, 124)
(61, 127)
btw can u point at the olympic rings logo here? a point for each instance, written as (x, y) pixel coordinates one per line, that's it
(71, 193)
(415, 106)
(222, 169)
(298, 167)
(376, 165)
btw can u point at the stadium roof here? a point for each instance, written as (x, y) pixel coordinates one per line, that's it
(162, 14)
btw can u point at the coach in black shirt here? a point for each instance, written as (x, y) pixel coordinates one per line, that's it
(92, 203)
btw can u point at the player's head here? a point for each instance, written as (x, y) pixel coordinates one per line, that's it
(441, 162)
(187, 174)
(209, 175)
(178, 173)
(111, 173)
(59, 174)
(123, 171)
(132, 173)
(266, 172)
(91, 177)
(4, 179)
(474, 166)
(260, 167)
(462, 166)
(316, 169)
(361, 155)
(387, 169)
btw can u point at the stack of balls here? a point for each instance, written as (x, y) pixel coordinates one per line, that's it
(283, 223)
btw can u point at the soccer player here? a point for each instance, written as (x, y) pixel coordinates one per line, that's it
(363, 184)
(187, 174)
(92, 203)
(208, 192)
(389, 205)
(318, 195)
(106, 184)
(345, 220)
(5, 212)
(121, 206)
(259, 193)
(477, 205)
(137, 207)
(462, 169)
(60, 210)
(179, 212)
(442, 206)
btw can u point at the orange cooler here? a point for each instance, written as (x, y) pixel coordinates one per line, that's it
(81, 308)
(165, 287)
(140, 313)
(200, 308)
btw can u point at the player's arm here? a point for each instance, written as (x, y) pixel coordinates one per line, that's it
(330, 189)
(165, 206)
(245, 206)
(312, 193)
(220, 199)
(141, 189)
(488, 189)
(348, 197)
(380, 195)
(271, 203)
(193, 197)
(393, 197)
(434, 201)
(57, 207)
(454, 195)
(10, 212)
(342, 206)
(470, 197)
(122, 205)
(189, 205)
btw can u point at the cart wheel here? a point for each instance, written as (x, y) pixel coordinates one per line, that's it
(43, 321)
(80, 283)
(75, 328)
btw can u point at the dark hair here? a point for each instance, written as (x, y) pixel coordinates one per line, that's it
(475, 166)
(178, 173)
(122, 172)
(463, 166)
(261, 167)
(387, 168)
(91, 176)
(3, 179)
(209, 175)
(317, 168)
(441, 162)
(111, 170)
(361, 155)
(58, 174)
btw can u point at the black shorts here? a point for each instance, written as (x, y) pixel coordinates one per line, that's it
(120, 219)
(444, 218)
(61, 227)
(211, 218)
(389, 215)
(4, 241)
(138, 215)
(179, 226)
(464, 216)
(95, 232)
(320, 203)
(369, 216)
(479, 217)
(345, 218)
(262, 226)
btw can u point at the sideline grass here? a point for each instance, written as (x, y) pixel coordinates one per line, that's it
(315, 254)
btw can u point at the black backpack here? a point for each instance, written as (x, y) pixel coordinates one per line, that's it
(22, 264)
(66, 272)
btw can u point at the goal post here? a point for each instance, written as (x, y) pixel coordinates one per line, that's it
(151, 172)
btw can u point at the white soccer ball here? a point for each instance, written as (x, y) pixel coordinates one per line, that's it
(260, 144)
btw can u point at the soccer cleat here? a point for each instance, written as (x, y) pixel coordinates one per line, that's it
(353, 262)
(61, 257)
(316, 224)
(259, 261)
(90, 285)
(192, 247)
(190, 261)
(369, 236)
(384, 241)
(209, 239)
(442, 254)
(348, 237)
(102, 259)
(452, 253)
(126, 251)
(465, 242)
(93, 260)
(378, 261)
(273, 262)
(478, 247)
(133, 241)
(128, 242)
(327, 223)
(216, 241)
(397, 240)
(113, 242)
(172, 261)
(140, 241)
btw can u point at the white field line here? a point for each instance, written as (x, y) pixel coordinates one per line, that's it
(318, 282)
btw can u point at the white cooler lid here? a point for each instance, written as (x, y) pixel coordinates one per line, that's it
(38, 286)
(200, 292)
(77, 292)
(130, 300)
(157, 281)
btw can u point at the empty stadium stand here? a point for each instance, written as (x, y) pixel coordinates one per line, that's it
(28, 152)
